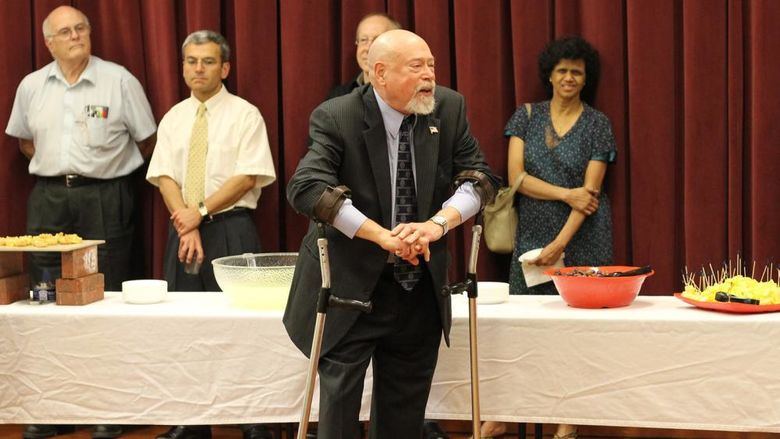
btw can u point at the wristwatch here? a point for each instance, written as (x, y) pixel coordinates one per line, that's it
(440, 220)
(204, 212)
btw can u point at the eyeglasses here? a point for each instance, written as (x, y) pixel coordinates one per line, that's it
(67, 32)
(364, 41)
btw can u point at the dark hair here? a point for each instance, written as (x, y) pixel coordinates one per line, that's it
(574, 48)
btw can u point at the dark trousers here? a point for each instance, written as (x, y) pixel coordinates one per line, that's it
(401, 337)
(230, 233)
(100, 210)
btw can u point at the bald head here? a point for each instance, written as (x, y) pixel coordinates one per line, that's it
(58, 14)
(402, 71)
(67, 35)
(391, 44)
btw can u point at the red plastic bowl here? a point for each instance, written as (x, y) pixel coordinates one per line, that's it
(597, 291)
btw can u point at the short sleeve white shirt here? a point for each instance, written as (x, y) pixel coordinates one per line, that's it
(237, 145)
(88, 128)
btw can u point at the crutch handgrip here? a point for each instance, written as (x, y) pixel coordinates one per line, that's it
(350, 304)
(458, 288)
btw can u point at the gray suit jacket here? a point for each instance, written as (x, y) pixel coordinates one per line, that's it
(350, 148)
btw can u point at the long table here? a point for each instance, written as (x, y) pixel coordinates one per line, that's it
(194, 359)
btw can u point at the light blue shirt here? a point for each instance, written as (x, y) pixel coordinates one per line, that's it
(90, 127)
(349, 218)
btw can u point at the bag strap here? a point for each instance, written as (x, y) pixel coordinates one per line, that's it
(518, 181)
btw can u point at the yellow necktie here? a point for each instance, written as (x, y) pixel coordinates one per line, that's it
(195, 180)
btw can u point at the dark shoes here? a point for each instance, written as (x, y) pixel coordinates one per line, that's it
(256, 431)
(187, 432)
(106, 431)
(40, 431)
(431, 430)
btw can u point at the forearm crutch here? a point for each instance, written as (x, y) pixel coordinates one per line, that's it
(324, 300)
(469, 286)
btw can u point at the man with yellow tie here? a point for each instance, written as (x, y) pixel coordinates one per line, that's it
(211, 160)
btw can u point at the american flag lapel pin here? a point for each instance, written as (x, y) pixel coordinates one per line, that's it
(434, 130)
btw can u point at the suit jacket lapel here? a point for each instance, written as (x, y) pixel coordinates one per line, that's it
(376, 147)
(426, 153)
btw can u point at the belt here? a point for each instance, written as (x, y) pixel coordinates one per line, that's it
(75, 180)
(226, 214)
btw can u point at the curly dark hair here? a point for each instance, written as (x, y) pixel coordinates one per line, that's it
(573, 48)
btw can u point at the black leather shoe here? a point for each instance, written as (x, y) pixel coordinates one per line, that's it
(106, 431)
(256, 431)
(40, 431)
(36, 431)
(431, 430)
(187, 432)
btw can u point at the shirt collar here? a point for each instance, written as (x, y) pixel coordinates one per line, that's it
(89, 74)
(391, 117)
(212, 102)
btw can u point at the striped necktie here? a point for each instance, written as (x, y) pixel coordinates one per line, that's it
(195, 180)
(405, 203)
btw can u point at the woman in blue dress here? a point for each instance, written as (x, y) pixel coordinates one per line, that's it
(564, 146)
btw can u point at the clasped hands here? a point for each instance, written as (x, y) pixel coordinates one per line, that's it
(186, 222)
(410, 240)
(583, 199)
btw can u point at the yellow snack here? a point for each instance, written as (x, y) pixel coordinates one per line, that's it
(43, 240)
(19, 241)
(70, 238)
(768, 293)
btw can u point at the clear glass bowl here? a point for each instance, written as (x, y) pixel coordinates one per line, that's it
(256, 280)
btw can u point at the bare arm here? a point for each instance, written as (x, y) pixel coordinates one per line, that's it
(594, 177)
(171, 193)
(146, 146)
(583, 199)
(190, 246)
(27, 147)
(187, 218)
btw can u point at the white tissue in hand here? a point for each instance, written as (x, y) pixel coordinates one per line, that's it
(534, 274)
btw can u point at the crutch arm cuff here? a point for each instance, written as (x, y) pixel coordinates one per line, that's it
(330, 202)
(483, 184)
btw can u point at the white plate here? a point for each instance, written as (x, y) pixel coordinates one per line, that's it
(144, 291)
(491, 293)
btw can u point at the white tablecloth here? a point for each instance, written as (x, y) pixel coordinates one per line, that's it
(194, 359)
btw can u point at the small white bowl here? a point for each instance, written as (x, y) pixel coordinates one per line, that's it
(144, 291)
(489, 293)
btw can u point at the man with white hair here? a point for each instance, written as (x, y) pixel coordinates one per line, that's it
(369, 27)
(86, 126)
(398, 146)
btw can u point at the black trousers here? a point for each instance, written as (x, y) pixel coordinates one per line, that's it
(230, 233)
(401, 338)
(99, 210)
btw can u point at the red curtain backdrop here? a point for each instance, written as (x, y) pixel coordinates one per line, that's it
(689, 87)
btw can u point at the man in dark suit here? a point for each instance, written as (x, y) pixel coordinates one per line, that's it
(383, 247)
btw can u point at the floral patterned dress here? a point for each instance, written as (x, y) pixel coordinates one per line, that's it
(560, 161)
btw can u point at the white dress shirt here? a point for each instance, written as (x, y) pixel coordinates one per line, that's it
(88, 128)
(237, 145)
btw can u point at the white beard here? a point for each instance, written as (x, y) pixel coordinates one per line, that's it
(421, 104)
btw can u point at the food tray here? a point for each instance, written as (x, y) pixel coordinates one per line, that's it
(732, 307)
(54, 248)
